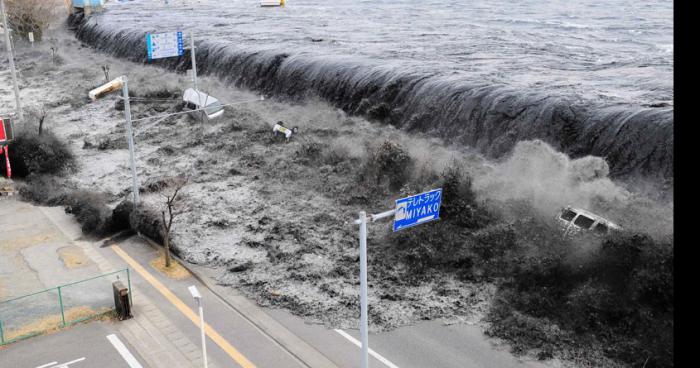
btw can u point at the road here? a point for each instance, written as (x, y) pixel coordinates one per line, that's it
(97, 344)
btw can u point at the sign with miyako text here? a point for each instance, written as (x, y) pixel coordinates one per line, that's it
(417, 209)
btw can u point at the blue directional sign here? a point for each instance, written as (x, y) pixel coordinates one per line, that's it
(417, 209)
(162, 45)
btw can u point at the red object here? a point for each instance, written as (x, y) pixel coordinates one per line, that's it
(7, 162)
(3, 135)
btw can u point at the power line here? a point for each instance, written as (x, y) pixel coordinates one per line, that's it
(193, 110)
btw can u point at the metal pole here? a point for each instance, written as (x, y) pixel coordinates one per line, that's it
(60, 303)
(11, 58)
(201, 325)
(128, 281)
(130, 139)
(363, 289)
(194, 62)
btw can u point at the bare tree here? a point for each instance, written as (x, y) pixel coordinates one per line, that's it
(174, 208)
(54, 52)
(105, 69)
(30, 16)
(42, 117)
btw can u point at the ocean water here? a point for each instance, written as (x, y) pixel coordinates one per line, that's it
(608, 49)
(592, 77)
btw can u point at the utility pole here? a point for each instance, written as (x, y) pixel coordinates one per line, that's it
(11, 58)
(123, 83)
(130, 138)
(364, 360)
(194, 62)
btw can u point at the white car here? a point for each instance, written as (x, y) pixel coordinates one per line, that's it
(574, 220)
(196, 100)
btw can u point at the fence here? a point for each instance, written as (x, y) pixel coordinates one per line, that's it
(51, 309)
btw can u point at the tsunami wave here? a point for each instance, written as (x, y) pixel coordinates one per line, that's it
(636, 141)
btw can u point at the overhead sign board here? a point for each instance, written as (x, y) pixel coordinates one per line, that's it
(417, 209)
(162, 45)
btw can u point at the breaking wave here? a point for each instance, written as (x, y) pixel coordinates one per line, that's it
(635, 141)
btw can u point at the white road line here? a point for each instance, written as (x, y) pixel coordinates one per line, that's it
(62, 365)
(65, 365)
(373, 353)
(123, 351)
(47, 365)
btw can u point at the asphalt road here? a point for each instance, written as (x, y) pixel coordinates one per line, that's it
(82, 346)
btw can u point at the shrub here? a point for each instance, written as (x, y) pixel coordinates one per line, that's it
(147, 222)
(31, 153)
(91, 211)
(121, 215)
(309, 152)
(459, 200)
(388, 163)
(27, 16)
(89, 208)
(622, 295)
(41, 189)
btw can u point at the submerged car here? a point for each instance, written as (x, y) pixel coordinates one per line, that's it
(575, 220)
(205, 107)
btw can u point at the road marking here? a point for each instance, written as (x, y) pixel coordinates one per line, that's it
(184, 309)
(373, 353)
(123, 351)
(63, 365)
(47, 365)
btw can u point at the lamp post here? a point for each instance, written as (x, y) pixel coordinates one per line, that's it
(198, 297)
(11, 59)
(123, 84)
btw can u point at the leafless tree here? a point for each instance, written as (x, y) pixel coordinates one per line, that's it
(42, 117)
(54, 51)
(174, 208)
(105, 69)
(30, 16)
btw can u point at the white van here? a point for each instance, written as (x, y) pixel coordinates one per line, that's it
(575, 220)
(195, 100)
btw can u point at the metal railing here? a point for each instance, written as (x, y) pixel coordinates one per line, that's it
(55, 308)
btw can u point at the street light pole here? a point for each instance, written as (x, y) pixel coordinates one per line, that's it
(198, 297)
(363, 290)
(364, 327)
(130, 139)
(123, 83)
(11, 58)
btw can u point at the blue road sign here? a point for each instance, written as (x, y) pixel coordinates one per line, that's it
(162, 45)
(417, 209)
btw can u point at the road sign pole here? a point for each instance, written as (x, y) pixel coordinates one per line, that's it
(194, 62)
(130, 139)
(11, 59)
(363, 289)
(429, 212)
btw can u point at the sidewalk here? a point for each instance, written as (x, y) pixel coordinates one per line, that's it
(152, 334)
(238, 333)
(34, 243)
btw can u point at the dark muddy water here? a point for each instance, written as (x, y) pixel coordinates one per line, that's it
(589, 77)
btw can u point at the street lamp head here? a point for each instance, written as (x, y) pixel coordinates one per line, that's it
(104, 89)
(195, 293)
